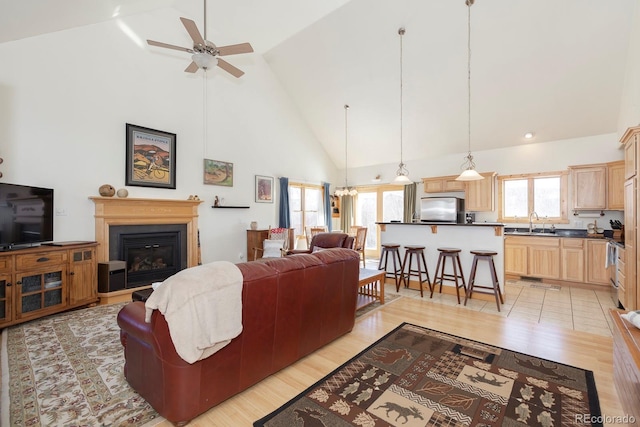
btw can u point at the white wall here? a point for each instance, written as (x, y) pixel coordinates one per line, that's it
(65, 98)
(630, 102)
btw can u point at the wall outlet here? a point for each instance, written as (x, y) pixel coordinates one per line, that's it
(578, 224)
(61, 212)
(241, 256)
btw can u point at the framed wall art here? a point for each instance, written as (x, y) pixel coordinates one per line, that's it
(217, 172)
(150, 157)
(264, 189)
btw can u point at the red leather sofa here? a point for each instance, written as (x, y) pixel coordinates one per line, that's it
(291, 307)
(325, 241)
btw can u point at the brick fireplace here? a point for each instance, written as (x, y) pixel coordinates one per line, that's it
(156, 213)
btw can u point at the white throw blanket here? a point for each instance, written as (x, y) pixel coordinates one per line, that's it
(202, 306)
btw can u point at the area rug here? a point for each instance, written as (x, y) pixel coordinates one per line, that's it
(67, 370)
(415, 376)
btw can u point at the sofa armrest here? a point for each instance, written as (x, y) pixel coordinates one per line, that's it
(154, 335)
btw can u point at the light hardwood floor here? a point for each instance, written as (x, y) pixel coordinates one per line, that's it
(577, 348)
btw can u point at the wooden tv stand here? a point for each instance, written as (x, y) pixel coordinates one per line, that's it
(47, 279)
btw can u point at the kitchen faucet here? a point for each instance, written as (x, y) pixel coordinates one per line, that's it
(531, 220)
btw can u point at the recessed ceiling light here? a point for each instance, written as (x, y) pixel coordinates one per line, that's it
(528, 135)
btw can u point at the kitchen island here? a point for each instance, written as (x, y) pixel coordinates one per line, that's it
(467, 237)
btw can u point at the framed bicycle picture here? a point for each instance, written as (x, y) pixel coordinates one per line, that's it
(264, 189)
(150, 158)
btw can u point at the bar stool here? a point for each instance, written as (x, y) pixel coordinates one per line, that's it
(480, 255)
(457, 277)
(393, 249)
(421, 264)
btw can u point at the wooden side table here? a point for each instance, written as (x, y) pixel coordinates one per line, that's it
(370, 287)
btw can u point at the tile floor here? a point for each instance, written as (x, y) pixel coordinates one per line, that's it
(555, 305)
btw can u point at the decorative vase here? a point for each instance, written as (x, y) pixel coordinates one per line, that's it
(107, 190)
(254, 225)
(122, 192)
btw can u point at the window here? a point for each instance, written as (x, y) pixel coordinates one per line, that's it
(306, 206)
(380, 203)
(542, 193)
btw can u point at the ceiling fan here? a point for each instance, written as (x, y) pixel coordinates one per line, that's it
(206, 55)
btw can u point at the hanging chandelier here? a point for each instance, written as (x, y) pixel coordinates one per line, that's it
(346, 190)
(402, 174)
(469, 173)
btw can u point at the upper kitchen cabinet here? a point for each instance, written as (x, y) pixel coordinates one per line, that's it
(442, 184)
(615, 185)
(598, 186)
(589, 184)
(479, 195)
(630, 139)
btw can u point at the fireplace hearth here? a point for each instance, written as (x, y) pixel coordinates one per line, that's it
(151, 252)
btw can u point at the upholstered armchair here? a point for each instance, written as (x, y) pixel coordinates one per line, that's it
(325, 241)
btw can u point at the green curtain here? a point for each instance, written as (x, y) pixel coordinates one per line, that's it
(346, 213)
(410, 191)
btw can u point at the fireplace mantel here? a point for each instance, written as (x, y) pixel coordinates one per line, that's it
(136, 211)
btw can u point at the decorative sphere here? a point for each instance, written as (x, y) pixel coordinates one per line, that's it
(107, 190)
(122, 192)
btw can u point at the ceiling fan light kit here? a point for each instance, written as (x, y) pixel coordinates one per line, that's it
(205, 53)
(469, 173)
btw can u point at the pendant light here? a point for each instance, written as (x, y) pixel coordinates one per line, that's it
(346, 190)
(469, 173)
(402, 174)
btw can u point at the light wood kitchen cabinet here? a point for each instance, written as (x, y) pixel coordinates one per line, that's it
(615, 185)
(442, 184)
(480, 195)
(630, 243)
(596, 258)
(630, 142)
(515, 255)
(622, 285)
(573, 259)
(44, 280)
(544, 257)
(589, 186)
(532, 256)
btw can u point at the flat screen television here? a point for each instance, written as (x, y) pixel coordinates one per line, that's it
(26, 216)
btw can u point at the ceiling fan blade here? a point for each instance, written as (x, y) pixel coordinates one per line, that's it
(193, 31)
(236, 72)
(235, 49)
(169, 46)
(192, 68)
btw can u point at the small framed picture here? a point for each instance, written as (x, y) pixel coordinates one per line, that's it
(217, 172)
(264, 189)
(150, 158)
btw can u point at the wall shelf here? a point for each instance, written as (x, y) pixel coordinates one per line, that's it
(230, 207)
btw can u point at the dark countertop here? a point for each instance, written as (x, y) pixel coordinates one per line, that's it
(475, 224)
(559, 232)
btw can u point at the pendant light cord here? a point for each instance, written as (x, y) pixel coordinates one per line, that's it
(346, 108)
(401, 31)
(469, 3)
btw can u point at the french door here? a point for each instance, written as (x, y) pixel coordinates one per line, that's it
(378, 204)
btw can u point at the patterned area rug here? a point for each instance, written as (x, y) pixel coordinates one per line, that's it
(66, 370)
(415, 376)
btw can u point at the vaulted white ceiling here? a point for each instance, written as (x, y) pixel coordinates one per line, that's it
(555, 68)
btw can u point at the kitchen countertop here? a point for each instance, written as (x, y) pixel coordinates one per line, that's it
(559, 232)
